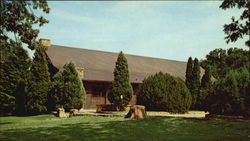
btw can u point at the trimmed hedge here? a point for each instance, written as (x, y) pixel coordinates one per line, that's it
(163, 92)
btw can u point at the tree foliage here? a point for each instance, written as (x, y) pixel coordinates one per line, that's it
(189, 73)
(206, 78)
(195, 88)
(227, 65)
(221, 61)
(205, 89)
(240, 27)
(17, 17)
(226, 98)
(121, 89)
(164, 92)
(15, 64)
(39, 84)
(68, 91)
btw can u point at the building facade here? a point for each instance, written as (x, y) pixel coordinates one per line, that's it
(96, 70)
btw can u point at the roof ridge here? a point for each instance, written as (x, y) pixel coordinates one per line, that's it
(118, 53)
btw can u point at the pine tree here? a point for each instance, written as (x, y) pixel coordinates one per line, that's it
(68, 91)
(189, 74)
(121, 90)
(39, 84)
(15, 64)
(195, 88)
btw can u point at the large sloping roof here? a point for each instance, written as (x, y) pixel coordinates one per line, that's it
(99, 65)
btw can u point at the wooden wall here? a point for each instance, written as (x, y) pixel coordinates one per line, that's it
(97, 93)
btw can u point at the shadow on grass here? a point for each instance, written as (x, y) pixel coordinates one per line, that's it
(152, 128)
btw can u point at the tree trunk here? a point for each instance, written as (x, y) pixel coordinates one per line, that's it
(136, 112)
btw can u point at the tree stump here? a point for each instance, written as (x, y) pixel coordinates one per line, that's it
(73, 112)
(61, 113)
(136, 112)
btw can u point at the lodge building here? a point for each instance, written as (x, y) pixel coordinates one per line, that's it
(96, 69)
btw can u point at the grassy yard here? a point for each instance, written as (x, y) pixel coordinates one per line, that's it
(48, 127)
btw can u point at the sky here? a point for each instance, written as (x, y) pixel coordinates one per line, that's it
(172, 30)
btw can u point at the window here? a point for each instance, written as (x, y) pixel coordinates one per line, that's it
(97, 90)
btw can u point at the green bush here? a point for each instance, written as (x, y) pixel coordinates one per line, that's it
(230, 95)
(165, 93)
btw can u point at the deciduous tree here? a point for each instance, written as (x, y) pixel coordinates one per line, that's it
(238, 28)
(18, 18)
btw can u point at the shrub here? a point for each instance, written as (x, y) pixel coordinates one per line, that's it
(226, 99)
(164, 92)
(231, 94)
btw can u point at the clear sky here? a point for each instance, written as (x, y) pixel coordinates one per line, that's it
(163, 29)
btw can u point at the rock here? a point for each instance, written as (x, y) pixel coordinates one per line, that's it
(136, 112)
(61, 113)
(73, 112)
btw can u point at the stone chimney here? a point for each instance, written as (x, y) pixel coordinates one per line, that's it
(45, 43)
(80, 72)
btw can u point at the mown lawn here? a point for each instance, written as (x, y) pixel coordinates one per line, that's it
(48, 127)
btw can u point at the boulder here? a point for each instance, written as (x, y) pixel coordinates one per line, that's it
(136, 112)
(61, 113)
(73, 112)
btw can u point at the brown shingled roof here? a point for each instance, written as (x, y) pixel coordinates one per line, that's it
(99, 65)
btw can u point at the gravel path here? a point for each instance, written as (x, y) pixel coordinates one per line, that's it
(190, 114)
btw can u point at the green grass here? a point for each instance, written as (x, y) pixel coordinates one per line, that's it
(48, 127)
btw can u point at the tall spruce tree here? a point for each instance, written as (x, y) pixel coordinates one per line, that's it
(68, 91)
(189, 73)
(121, 90)
(13, 77)
(206, 78)
(39, 84)
(195, 88)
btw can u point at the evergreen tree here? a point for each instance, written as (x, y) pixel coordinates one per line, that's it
(206, 78)
(121, 90)
(15, 64)
(39, 84)
(189, 73)
(195, 88)
(68, 91)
